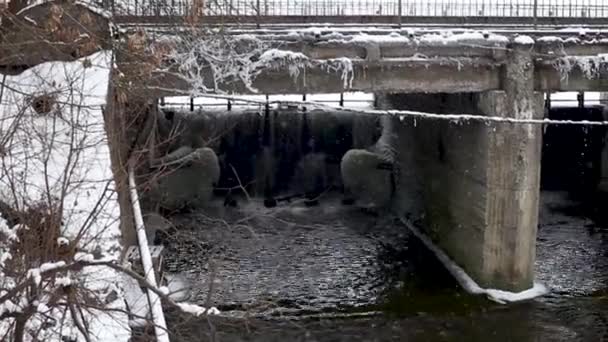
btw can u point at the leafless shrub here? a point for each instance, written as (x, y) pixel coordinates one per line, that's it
(59, 253)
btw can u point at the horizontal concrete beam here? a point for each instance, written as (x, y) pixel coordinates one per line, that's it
(388, 49)
(443, 76)
(547, 48)
(405, 76)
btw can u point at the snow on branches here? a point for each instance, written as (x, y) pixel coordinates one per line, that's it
(590, 66)
(227, 57)
(56, 198)
(209, 61)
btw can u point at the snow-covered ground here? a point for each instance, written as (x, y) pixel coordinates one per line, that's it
(65, 155)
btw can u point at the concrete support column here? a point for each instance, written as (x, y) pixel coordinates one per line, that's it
(513, 177)
(512, 192)
(603, 185)
(474, 187)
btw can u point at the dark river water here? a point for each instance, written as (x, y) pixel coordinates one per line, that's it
(333, 273)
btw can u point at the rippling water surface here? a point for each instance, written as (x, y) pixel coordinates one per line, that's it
(333, 273)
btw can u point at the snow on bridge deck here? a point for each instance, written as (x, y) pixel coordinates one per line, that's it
(412, 61)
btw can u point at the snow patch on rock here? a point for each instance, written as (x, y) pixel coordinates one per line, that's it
(523, 40)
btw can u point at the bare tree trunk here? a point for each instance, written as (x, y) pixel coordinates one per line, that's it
(19, 329)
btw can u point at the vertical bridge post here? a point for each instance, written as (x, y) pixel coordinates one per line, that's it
(474, 187)
(513, 177)
(399, 12)
(535, 13)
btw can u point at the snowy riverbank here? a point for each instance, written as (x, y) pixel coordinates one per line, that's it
(63, 156)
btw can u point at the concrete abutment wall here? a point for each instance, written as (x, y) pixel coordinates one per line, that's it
(474, 187)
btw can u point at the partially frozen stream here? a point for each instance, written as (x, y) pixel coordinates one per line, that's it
(332, 273)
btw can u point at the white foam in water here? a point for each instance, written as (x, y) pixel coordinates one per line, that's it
(468, 284)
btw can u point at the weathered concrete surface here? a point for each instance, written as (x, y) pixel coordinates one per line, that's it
(514, 155)
(474, 186)
(513, 193)
(603, 184)
(442, 75)
(442, 183)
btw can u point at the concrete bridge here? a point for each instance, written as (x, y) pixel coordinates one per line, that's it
(474, 186)
(394, 12)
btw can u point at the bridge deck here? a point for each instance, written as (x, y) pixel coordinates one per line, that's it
(288, 20)
(345, 8)
(450, 12)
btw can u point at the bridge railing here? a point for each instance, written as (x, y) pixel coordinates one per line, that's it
(398, 8)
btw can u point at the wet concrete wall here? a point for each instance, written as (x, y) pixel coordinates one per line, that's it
(261, 151)
(461, 184)
(442, 172)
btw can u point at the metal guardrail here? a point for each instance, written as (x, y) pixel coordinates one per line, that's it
(397, 8)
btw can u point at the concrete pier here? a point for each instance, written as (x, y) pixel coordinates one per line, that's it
(603, 185)
(475, 187)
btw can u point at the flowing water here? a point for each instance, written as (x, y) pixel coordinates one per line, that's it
(333, 273)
